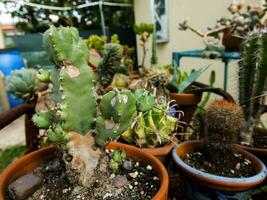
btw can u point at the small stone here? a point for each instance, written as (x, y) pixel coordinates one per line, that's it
(232, 171)
(248, 161)
(149, 167)
(119, 181)
(112, 175)
(155, 178)
(133, 174)
(142, 192)
(135, 183)
(131, 187)
(107, 195)
(127, 165)
(25, 186)
(65, 190)
(137, 164)
(238, 165)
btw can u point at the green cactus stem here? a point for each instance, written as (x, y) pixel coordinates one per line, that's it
(117, 111)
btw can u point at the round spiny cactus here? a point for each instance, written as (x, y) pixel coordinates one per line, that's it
(222, 124)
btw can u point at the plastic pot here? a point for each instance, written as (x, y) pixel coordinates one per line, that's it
(200, 185)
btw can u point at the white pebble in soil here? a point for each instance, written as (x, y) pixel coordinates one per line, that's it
(149, 167)
(133, 174)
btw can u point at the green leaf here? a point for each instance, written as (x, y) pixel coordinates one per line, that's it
(194, 76)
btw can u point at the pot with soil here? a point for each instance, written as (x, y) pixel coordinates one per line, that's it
(143, 170)
(215, 168)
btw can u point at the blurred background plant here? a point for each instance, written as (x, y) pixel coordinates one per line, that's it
(36, 19)
(229, 30)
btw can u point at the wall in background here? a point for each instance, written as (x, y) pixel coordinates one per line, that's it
(201, 14)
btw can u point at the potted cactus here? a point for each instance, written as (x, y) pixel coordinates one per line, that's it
(79, 130)
(252, 89)
(216, 168)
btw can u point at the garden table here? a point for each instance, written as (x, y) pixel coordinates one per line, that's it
(225, 58)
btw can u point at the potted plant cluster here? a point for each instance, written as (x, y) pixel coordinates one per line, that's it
(227, 34)
(77, 165)
(214, 168)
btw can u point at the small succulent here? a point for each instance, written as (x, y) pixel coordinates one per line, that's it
(23, 84)
(144, 31)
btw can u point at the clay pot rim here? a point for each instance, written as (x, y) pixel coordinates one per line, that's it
(253, 149)
(186, 98)
(161, 171)
(166, 149)
(243, 183)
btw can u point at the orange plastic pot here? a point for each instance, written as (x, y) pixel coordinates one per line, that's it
(188, 104)
(30, 161)
(218, 183)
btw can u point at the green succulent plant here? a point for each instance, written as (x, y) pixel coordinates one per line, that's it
(144, 31)
(23, 83)
(110, 64)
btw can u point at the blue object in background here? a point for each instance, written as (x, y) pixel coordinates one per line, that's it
(11, 59)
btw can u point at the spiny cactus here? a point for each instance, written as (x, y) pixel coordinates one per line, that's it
(110, 64)
(23, 84)
(253, 76)
(70, 122)
(152, 128)
(78, 106)
(223, 122)
(117, 111)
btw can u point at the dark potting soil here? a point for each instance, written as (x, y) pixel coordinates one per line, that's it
(139, 182)
(235, 165)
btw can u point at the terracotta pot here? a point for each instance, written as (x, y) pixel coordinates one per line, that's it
(188, 104)
(29, 162)
(207, 184)
(161, 153)
(231, 42)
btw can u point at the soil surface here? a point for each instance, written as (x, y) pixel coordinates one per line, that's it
(137, 182)
(235, 165)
